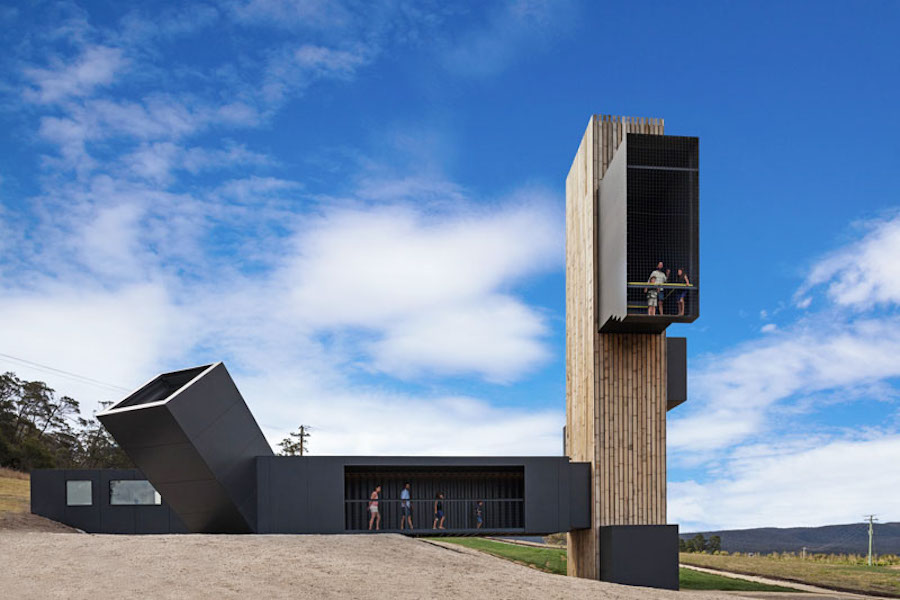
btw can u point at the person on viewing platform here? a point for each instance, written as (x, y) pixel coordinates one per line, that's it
(373, 509)
(479, 514)
(652, 294)
(438, 511)
(681, 277)
(405, 507)
(661, 278)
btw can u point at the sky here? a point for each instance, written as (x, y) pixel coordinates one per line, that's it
(359, 208)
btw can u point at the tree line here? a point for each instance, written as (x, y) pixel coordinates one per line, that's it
(40, 429)
(698, 543)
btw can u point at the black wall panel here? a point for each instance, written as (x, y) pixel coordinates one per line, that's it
(676, 371)
(48, 486)
(645, 555)
(48, 499)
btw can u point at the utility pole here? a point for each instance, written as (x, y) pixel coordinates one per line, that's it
(871, 519)
(295, 443)
(304, 433)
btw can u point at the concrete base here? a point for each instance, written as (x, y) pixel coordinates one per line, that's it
(645, 555)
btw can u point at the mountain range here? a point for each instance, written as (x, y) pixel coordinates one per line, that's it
(836, 539)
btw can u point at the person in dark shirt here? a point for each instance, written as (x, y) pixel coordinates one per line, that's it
(479, 514)
(438, 511)
(681, 277)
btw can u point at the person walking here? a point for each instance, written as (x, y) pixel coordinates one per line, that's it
(438, 511)
(373, 509)
(405, 506)
(479, 514)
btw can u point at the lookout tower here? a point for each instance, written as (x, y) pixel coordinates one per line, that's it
(631, 203)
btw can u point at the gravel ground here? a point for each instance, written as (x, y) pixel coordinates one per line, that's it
(60, 565)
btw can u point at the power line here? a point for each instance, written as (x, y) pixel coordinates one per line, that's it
(69, 374)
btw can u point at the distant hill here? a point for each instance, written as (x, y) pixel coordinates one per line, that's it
(853, 538)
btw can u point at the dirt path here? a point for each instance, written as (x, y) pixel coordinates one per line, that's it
(810, 591)
(57, 565)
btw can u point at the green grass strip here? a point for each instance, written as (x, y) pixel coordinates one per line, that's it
(553, 560)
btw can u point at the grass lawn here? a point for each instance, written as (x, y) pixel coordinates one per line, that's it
(14, 491)
(553, 560)
(883, 581)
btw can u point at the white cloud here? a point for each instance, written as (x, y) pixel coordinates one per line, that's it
(733, 394)
(118, 336)
(519, 27)
(748, 403)
(864, 273)
(497, 337)
(97, 66)
(803, 483)
(350, 419)
(292, 70)
(319, 14)
(431, 289)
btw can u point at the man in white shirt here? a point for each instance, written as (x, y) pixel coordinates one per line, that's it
(405, 507)
(661, 277)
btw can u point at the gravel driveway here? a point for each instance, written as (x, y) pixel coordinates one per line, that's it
(68, 565)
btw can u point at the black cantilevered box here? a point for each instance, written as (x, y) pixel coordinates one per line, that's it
(196, 441)
(649, 213)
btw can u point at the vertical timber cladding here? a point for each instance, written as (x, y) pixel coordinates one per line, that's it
(602, 419)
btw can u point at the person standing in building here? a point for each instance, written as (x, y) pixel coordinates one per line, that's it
(405, 506)
(479, 514)
(661, 278)
(681, 277)
(373, 509)
(438, 511)
(652, 294)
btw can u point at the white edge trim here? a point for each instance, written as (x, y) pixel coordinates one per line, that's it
(113, 410)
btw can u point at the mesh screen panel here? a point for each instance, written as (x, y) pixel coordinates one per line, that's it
(662, 219)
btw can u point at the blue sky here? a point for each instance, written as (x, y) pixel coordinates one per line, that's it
(359, 207)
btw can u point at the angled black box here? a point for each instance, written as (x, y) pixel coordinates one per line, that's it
(193, 436)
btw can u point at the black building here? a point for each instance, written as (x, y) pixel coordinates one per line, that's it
(205, 467)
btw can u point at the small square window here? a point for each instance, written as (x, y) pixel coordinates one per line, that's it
(79, 493)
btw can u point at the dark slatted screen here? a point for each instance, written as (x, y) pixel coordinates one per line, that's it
(501, 489)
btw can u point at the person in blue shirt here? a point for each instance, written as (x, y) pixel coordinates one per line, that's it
(405, 506)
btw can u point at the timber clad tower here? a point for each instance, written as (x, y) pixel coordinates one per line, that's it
(631, 203)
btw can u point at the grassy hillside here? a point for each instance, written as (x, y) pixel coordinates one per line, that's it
(14, 491)
(883, 581)
(553, 560)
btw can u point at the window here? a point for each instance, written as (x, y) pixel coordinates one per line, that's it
(79, 493)
(129, 492)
